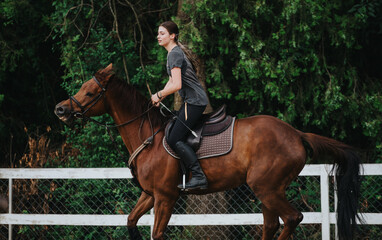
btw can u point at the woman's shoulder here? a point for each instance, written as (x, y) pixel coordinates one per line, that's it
(176, 52)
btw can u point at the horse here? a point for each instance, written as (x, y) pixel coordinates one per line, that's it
(267, 154)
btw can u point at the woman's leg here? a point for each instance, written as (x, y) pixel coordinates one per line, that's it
(177, 139)
(179, 132)
(190, 160)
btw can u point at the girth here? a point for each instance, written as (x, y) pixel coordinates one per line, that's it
(210, 124)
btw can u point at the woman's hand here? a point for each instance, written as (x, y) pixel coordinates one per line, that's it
(174, 84)
(155, 99)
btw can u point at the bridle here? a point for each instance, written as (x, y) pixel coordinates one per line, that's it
(89, 105)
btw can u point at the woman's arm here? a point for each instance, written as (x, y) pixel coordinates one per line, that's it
(173, 85)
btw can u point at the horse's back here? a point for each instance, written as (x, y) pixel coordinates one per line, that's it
(267, 130)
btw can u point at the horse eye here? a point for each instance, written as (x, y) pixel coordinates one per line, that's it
(89, 94)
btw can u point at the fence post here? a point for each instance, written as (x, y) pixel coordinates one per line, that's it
(10, 183)
(335, 208)
(324, 179)
(152, 224)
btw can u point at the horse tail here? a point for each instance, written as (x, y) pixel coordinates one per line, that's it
(346, 171)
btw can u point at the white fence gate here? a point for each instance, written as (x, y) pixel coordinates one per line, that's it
(325, 217)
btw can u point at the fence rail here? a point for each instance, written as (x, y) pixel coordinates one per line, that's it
(325, 217)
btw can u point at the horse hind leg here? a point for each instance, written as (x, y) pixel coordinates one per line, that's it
(290, 216)
(276, 204)
(145, 203)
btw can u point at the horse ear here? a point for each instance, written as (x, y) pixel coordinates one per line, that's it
(105, 74)
(108, 70)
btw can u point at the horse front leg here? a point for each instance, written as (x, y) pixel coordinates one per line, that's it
(144, 204)
(163, 208)
(271, 223)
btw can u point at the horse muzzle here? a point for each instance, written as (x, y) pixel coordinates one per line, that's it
(64, 113)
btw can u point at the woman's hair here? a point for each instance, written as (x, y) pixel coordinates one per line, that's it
(173, 28)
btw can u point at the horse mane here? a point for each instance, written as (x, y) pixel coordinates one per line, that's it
(131, 98)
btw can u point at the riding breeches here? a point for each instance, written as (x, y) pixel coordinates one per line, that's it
(188, 114)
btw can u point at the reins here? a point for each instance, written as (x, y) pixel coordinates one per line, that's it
(81, 115)
(114, 125)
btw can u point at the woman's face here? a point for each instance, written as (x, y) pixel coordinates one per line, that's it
(164, 37)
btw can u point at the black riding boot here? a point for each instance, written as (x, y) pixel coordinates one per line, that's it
(188, 156)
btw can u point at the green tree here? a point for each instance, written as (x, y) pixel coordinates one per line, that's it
(92, 35)
(302, 61)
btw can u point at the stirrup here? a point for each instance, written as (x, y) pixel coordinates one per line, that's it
(183, 185)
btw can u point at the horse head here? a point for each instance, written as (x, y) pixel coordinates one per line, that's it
(89, 100)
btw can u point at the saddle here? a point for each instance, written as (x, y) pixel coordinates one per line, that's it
(209, 125)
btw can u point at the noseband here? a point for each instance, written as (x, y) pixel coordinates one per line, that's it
(89, 105)
(94, 101)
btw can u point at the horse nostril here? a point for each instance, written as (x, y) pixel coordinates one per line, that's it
(59, 111)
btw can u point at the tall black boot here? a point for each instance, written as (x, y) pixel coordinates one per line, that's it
(188, 156)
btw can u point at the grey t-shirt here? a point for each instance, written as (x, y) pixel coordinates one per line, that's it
(192, 91)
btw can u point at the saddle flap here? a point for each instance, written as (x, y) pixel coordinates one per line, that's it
(168, 128)
(192, 141)
(208, 130)
(210, 146)
(211, 124)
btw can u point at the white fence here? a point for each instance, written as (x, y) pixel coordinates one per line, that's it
(325, 217)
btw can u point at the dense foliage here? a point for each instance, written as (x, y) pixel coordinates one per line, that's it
(313, 64)
(307, 62)
(29, 77)
(90, 36)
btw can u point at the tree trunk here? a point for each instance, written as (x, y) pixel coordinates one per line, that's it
(211, 203)
(200, 70)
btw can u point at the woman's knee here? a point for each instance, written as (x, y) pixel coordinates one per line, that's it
(172, 142)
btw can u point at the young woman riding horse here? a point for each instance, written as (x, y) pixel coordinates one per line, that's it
(182, 78)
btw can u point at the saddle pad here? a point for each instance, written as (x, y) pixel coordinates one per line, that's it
(210, 146)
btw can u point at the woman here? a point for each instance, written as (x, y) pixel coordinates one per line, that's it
(182, 78)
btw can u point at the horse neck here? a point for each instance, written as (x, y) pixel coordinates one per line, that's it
(132, 134)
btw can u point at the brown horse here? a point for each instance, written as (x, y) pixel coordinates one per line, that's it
(267, 154)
